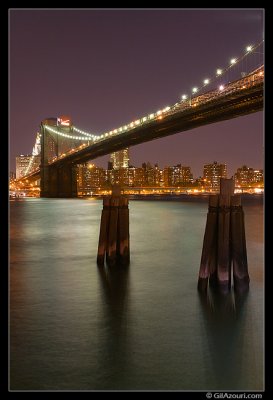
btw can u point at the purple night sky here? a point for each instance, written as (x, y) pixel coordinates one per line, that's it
(106, 68)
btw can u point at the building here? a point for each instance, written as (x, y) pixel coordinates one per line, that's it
(244, 176)
(90, 177)
(22, 163)
(177, 175)
(120, 159)
(212, 174)
(118, 176)
(258, 176)
(12, 176)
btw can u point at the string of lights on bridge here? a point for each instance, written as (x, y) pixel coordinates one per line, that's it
(87, 136)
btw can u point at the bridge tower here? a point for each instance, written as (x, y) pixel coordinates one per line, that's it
(57, 180)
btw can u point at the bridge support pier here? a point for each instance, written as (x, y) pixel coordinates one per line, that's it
(59, 181)
(114, 231)
(224, 243)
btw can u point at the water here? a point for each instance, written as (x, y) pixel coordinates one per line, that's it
(76, 327)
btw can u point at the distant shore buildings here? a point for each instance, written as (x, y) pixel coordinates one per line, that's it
(93, 178)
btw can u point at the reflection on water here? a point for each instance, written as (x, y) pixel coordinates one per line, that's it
(224, 321)
(74, 326)
(115, 346)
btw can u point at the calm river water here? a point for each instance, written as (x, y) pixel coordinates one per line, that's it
(74, 326)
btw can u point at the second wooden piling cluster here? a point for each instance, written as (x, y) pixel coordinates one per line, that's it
(224, 243)
(114, 231)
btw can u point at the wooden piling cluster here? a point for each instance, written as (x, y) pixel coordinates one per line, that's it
(224, 243)
(114, 231)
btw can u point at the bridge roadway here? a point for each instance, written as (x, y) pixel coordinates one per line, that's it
(240, 102)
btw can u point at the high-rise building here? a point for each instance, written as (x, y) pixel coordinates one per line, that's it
(258, 176)
(22, 163)
(120, 159)
(177, 175)
(244, 176)
(212, 174)
(90, 176)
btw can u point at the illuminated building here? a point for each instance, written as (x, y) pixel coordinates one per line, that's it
(258, 176)
(90, 176)
(22, 163)
(246, 176)
(120, 159)
(212, 174)
(177, 175)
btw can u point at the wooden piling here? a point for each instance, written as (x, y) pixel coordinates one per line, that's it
(123, 249)
(224, 243)
(114, 230)
(111, 251)
(238, 246)
(207, 269)
(223, 248)
(103, 238)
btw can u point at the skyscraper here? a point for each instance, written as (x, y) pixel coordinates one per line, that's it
(22, 163)
(213, 173)
(120, 159)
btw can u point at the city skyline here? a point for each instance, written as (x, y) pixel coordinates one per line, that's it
(104, 74)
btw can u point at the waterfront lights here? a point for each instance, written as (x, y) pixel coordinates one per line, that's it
(221, 87)
(233, 61)
(206, 81)
(184, 97)
(219, 71)
(194, 90)
(249, 48)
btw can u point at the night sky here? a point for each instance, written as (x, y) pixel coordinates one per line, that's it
(106, 68)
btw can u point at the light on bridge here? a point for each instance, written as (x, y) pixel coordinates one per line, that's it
(194, 90)
(221, 87)
(249, 48)
(184, 97)
(206, 81)
(219, 71)
(233, 61)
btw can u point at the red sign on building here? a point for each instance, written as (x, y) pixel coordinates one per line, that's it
(64, 120)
